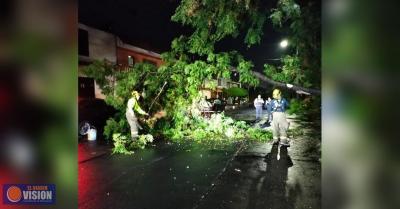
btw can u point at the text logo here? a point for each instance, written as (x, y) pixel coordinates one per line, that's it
(35, 194)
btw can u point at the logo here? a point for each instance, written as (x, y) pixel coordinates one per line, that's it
(29, 194)
(14, 194)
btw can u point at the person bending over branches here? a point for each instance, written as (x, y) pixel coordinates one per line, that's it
(132, 107)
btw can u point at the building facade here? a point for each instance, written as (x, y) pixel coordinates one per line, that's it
(128, 55)
(95, 44)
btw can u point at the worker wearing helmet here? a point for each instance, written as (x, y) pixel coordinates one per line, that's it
(133, 106)
(279, 122)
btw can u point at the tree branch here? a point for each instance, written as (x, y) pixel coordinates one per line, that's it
(285, 85)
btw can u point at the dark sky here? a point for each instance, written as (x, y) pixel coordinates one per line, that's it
(147, 24)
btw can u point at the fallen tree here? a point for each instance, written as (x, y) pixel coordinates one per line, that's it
(288, 86)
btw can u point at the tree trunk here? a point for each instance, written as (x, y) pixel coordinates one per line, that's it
(284, 85)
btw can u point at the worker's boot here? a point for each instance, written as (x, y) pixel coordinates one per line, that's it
(275, 140)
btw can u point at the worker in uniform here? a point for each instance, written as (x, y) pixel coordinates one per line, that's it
(132, 107)
(268, 106)
(258, 104)
(280, 124)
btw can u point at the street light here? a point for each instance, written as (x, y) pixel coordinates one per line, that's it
(284, 43)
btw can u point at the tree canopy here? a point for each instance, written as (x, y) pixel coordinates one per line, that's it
(236, 92)
(214, 20)
(193, 59)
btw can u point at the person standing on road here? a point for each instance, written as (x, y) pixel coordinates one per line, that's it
(279, 122)
(258, 104)
(268, 106)
(133, 106)
(217, 104)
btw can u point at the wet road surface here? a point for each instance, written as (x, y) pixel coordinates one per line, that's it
(271, 182)
(163, 176)
(172, 176)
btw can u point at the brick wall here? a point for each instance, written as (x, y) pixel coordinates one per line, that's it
(122, 57)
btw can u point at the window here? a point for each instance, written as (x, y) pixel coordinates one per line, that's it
(86, 87)
(131, 61)
(83, 42)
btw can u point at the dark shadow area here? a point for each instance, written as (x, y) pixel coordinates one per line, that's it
(272, 193)
(253, 182)
(268, 190)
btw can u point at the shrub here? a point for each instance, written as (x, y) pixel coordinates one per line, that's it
(217, 128)
(295, 107)
(236, 92)
(171, 89)
(120, 142)
(141, 141)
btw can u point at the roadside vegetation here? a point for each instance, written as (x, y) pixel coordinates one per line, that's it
(193, 59)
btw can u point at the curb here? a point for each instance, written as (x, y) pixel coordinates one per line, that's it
(97, 155)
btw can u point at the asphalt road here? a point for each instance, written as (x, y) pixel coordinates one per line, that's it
(172, 176)
(164, 176)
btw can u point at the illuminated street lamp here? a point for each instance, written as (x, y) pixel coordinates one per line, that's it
(284, 43)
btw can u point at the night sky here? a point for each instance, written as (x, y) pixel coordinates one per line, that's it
(147, 24)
